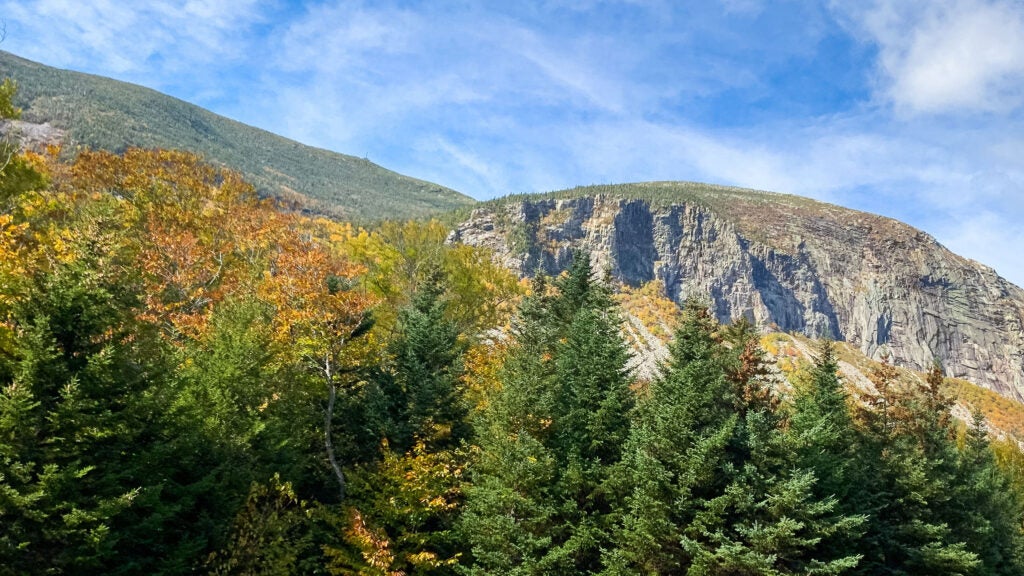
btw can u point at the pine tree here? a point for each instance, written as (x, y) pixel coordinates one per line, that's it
(73, 412)
(428, 362)
(825, 443)
(909, 460)
(409, 499)
(989, 514)
(541, 502)
(715, 487)
(680, 453)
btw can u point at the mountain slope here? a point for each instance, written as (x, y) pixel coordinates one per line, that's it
(789, 263)
(103, 113)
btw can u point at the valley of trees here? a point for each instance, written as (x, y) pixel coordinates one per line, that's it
(192, 381)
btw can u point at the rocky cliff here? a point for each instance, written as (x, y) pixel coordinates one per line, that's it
(788, 263)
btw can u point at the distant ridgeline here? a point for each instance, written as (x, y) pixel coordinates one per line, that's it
(107, 114)
(785, 262)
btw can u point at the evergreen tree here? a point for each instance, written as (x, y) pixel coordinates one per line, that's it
(428, 363)
(562, 415)
(74, 411)
(409, 499)
(715, 488)
(680, 452)
(989, 513)
(909, 460)
(825, 443)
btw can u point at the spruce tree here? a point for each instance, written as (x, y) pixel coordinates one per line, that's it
(427, 363)
(989, 514)
(680, 454)
(716, 491)
(75, 400)
(825, 442)
(541, 502)
(909, 458)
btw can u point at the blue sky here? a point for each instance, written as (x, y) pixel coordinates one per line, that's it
(909, 108)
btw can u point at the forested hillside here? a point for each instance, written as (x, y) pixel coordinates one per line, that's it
(105, 114)
(192, 381)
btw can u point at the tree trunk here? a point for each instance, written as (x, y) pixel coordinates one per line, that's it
(332, 394)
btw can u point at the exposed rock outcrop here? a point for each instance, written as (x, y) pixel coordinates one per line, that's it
(787, 263)
(31, 136)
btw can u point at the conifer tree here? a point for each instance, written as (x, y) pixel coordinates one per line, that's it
(824, 439)
(989, 513)
(408, 501)
(74, 409)
(680, 452)
(428, 362)
(541, 501)
(909, 457)
(715, 487)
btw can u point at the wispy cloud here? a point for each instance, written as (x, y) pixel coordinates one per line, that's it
(143, 41)
(947, 55)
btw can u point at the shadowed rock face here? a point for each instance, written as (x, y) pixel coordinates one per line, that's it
(796, 266)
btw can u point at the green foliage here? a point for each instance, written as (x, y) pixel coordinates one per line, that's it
(269, 535)
(909, 459)
(825, 442)
(73, 404)
(541, 501)
(163, 411)
(714, 490)
(18, 174)
(8, 89)
(106, 114)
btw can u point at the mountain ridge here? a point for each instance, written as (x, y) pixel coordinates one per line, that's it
(788, 263)
(99, 112)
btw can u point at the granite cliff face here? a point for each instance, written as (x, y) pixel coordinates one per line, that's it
(788, 263)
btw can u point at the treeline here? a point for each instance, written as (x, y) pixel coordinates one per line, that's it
(192, 381)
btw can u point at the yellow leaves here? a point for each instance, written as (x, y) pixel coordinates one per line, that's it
(480, 379)
(407, 496)
(373, 546)
(650, 305)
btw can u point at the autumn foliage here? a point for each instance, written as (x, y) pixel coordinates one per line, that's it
(195, 380)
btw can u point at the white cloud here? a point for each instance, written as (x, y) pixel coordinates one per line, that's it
(502, 99)
(337, 38)
(940, 56)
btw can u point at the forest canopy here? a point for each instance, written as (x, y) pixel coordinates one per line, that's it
(194, 381)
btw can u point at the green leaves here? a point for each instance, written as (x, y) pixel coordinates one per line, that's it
(550, 437)
(8, 111)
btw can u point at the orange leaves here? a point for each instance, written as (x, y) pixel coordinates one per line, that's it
(373, 546)
(312, 292)
(193, 234)
(166, 180)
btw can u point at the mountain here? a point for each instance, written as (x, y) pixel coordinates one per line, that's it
(649, 320)
(788, 263)
(102, 113)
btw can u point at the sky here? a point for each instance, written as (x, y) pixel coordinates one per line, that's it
(912, 109)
